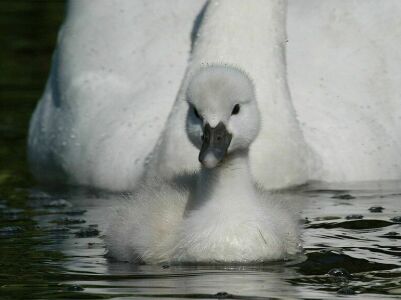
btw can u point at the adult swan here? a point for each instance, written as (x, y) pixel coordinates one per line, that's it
(108, 111)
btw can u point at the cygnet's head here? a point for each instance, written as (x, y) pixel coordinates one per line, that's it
(223, 116)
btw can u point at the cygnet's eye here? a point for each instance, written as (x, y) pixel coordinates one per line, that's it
(197, 114)
(235, 109)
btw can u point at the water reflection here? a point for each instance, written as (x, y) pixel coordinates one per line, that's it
(334, 244)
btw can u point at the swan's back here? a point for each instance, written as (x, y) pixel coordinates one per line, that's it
(344, 67)
(118, 66)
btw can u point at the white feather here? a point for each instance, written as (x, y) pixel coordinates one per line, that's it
(217, 215)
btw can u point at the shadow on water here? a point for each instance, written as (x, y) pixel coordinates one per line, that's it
(51, 244)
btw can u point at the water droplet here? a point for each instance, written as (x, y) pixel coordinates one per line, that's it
(339, 272)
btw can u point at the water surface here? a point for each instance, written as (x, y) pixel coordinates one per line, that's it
(52, 247)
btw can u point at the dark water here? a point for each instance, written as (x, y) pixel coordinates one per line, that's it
(50, 240)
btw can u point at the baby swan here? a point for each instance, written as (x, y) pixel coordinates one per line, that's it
(217, 215)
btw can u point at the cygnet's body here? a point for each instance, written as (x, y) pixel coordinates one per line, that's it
(218, 215)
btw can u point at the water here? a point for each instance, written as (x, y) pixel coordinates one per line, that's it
(51, 247)
(51, 243)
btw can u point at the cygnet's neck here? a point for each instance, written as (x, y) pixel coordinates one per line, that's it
(226, 185)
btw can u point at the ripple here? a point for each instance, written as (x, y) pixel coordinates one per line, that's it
(10, 231)
(345, 255)
(321, 262)
(354, 224)
(376, 209)
(90, 231)
(343, 196)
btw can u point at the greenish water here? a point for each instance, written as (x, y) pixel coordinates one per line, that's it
(51, 243)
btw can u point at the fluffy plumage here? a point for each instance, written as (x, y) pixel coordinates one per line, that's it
(217, 215)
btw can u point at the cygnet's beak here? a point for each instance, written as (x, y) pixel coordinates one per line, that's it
(215, 144)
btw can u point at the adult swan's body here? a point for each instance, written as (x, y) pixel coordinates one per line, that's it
(119, 65)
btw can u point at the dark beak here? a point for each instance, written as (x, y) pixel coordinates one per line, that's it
(215, 144)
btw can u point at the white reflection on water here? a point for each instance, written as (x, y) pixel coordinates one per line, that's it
(331, 240)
